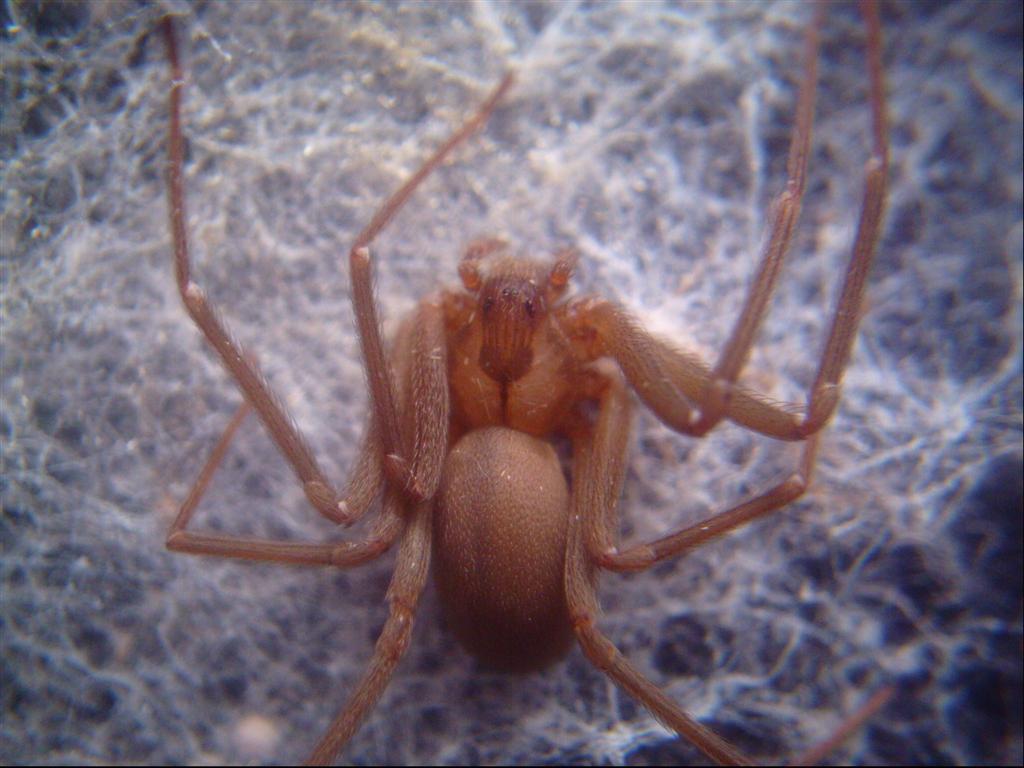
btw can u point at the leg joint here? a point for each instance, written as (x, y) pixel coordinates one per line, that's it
(596, 647)
(793, 487)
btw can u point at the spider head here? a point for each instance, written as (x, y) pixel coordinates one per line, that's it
(511, 305)
(513, 299)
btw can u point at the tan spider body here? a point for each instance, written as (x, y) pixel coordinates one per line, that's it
(512, 363)
(463, 403)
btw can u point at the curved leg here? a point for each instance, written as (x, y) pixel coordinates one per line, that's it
(598, 469)
(254, 387)
(676, 385)
(785, 214)
(420, 361)
(403, 596)
(607, 449)
(422, 373)
(381, 388)
(669, 381)
(341, 555)
(603, 548)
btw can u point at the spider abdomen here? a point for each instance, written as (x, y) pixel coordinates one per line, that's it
(500, 524)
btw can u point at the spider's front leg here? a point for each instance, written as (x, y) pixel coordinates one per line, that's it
(785, 212)
(823, 396)
(321, 494)
(383, 441)
(403, 461)
(686, 394)
(341, 555)
(670, 382)
(421, 369)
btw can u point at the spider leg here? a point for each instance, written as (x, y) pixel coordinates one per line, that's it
(824, 393)
(257, 392)
(426, 396)
(396, 464)
(420, 361)
(340, 555)
(598, 469)
(421, 366)
(849, 726)
(609, 444)
(242, 368)
(672, 382)
(669, 381)
(364, 485)
(602, 546)
(422, 369)
(403, 596)
(785, 214)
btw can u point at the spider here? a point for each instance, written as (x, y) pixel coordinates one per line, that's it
(465, 399)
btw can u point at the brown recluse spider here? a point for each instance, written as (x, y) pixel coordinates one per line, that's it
(474, 381)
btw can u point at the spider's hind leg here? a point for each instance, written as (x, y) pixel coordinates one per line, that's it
(598, 471)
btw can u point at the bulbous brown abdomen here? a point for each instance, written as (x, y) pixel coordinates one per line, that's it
(500, 525)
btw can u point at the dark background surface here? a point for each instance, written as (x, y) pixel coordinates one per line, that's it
(652, 137)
